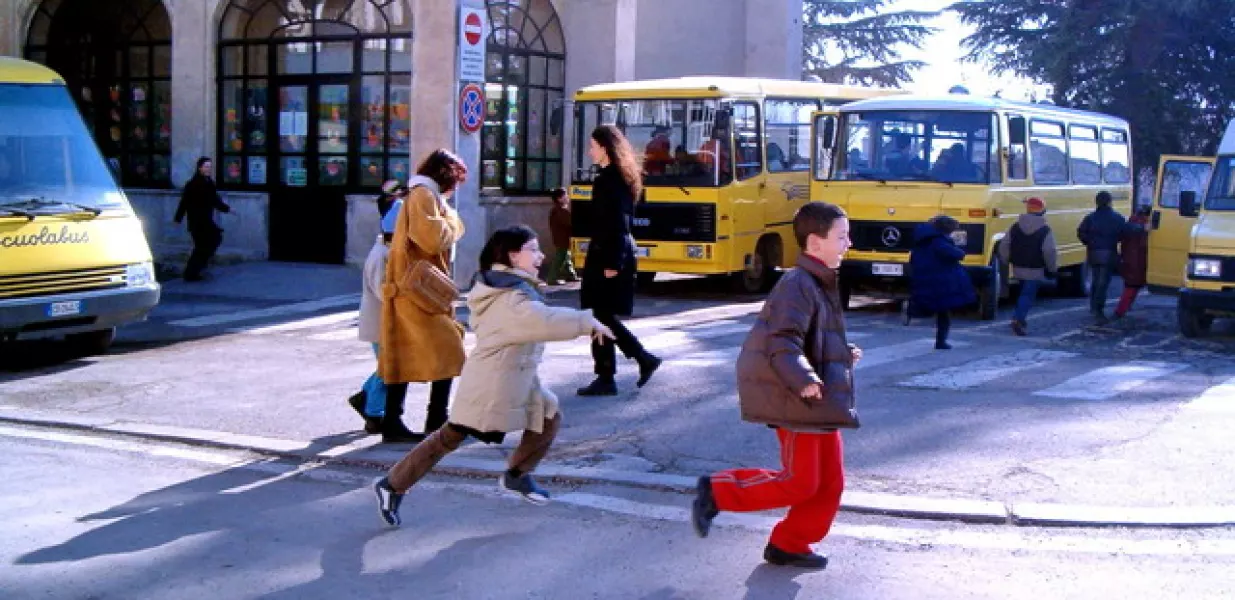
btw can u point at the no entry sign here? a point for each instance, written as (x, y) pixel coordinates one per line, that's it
(472, 32)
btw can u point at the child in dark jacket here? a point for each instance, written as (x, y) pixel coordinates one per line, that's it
(795, 374)
(939, 283)
(560, 232)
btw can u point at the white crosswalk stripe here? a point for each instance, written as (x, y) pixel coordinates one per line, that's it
(331, 319)
(1217, 399)
(882, 355)
(985, 370)
(1108, 382)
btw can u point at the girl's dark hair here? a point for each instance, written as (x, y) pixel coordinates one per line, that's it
(621, 156)
(445, 168)
(502, 243)
(945, 224)
(557, 193)
(201, 161)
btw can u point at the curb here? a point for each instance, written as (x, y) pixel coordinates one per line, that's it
(858, 502)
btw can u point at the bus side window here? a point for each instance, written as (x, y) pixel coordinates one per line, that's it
(1018, 167)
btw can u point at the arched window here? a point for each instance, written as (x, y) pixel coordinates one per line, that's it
(525, 74)
(314, 93)
(115, 56)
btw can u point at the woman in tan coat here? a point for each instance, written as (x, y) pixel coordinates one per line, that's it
(416, 346)
(500, 391)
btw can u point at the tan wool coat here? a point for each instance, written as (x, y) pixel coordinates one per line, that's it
(500, 389)
(416, 346)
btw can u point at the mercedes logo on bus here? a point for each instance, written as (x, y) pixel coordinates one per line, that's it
(891, 236)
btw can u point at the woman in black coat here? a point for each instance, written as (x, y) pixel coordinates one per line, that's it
(199, 201)
(610, 267)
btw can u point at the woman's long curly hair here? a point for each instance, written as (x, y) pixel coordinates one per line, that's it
(621, 156)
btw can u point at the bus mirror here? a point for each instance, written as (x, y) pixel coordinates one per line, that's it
(1188, 205)
(1016, 131)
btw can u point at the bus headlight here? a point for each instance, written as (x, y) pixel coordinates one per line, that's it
(140, 274)
(695, 252)
(1210, 268)
(960, 237)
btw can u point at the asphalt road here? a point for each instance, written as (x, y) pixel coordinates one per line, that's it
(103, 518)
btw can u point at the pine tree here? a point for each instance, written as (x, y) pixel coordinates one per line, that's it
(857, 42)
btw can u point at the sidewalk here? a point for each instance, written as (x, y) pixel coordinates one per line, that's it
(348, 449)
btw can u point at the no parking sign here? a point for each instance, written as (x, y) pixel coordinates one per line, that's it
(471, 108)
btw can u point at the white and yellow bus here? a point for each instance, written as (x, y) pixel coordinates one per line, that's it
(74, 260)
(726, 165)
(893, 163)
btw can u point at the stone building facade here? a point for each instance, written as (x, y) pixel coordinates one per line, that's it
(306, 106)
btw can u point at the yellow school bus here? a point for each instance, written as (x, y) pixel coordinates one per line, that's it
(73, 258)
(726, 165)
(1192, 241)
(893, 163)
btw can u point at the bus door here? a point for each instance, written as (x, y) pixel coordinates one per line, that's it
(1169, 232)
(746, 195)
(787, 131)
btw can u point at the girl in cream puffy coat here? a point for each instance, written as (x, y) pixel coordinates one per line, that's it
(500, 390)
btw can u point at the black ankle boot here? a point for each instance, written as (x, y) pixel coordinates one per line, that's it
(602, 386)
(648, 363)
(393, 429)
(805, 560)
(357, 402)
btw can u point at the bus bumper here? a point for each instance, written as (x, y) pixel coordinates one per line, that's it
(30, 318)
(875, 274)
(1207, 300)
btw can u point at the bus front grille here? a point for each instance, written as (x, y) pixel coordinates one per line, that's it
(61, 282)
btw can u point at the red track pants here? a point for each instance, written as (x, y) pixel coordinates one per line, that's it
(810, 483)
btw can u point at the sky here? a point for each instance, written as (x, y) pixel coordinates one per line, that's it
(942, 52)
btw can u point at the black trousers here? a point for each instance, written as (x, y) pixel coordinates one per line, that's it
(943, 324)
(206, 242)
(605, 355)
(439, 402)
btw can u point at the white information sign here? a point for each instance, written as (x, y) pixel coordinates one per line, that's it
(473, 30)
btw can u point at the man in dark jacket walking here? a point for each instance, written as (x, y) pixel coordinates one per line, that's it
(1101, 231)
(795, 374)
(199, 201)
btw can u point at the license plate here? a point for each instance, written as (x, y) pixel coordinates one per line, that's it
(642, 252)
(64, 309)
(893, 269)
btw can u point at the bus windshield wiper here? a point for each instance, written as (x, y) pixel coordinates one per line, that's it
(684, 190)
(927, 177)
(870, 177)
(29, 216)
(44, 203)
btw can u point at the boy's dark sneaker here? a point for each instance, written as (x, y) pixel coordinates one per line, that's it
(1018, 327)
(703, 511)
(388, 501)
(371, 424)
(601, 387)
(807, 560)
(943, 346)
(648, 364)
(523, 486)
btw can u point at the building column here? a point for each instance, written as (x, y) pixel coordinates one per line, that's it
(13, 26)
(193, 90)
(774, 39)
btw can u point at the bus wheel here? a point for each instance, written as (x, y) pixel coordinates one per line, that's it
(1077, 284)
(988, 296)
(758, 276)
(1194, 323)
(643, 280)
(91, 343)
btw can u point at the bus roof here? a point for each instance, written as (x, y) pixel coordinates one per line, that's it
(717, 87)
(16, 70)
(1228, 140)
(977, 103)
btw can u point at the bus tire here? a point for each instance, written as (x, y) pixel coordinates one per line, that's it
(92, 343)
(1193, 323)
(760, 275)
(643, 280)
(1077, 283)
(989, 294)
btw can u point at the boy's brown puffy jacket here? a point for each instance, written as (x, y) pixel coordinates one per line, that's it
(798, 340)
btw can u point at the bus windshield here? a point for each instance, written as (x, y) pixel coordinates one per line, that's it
(919, 145)
(1221, 194)
(48, 162)
(677, 142)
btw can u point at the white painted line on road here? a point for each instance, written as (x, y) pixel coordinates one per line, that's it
(725, 356)
(1108, 382)
(985, 370)
(898, 352)
(337, 335)
(1011, 540)
(265, 313)
(309, 323)
(1217, 399)
(105, 443)
(668, 339)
